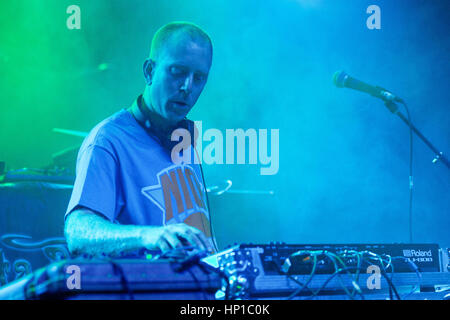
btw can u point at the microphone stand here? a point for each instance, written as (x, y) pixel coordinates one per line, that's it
(439, 156)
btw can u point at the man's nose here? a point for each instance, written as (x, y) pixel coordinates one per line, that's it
(187, 84)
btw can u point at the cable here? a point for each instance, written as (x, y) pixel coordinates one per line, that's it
(311, 276)
(411, 185)
(334, 259)
(356, 279)
(181, 264)
(379, 258)
(123, 279)
(384, 274)
(333, 256)
(175, 253)
(329, 279)
(361, 257)
(385, 262)
(392, 271)
(280, 271)
(197, 282)
(416, 270)
(209, 208)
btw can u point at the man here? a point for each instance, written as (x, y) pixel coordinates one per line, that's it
(129, 194)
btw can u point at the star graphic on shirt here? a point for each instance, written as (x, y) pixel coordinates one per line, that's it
(178, 212)
(155, 194)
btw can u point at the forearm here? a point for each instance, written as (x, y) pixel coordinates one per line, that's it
(91, 234)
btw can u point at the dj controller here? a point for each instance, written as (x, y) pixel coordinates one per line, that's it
(250, 272)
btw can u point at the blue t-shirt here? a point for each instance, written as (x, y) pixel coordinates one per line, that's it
(124, 174)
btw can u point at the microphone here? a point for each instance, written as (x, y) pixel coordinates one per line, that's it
(342, 79)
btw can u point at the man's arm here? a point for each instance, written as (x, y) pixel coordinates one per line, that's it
(89, 233)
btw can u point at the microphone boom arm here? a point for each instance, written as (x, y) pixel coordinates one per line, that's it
(439, 156)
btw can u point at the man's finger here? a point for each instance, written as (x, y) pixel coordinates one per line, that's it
(172, 239)
(189, 237)
(163, 245)
(200, 238)
(186, 232)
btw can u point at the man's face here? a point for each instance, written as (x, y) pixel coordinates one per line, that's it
(179, 77)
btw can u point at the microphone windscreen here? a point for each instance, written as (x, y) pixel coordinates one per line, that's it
(339, 78)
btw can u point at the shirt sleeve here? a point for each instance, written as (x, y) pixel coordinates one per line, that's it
(96, 185)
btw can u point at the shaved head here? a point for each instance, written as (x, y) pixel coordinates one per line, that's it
(175, 33)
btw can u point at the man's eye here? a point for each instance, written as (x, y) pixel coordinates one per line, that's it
(176, 70)
(199, 77)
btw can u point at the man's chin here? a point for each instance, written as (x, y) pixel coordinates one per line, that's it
(174, 119)
(175, 114)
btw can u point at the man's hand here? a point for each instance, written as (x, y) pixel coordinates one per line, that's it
(88, 233)
(175, 236)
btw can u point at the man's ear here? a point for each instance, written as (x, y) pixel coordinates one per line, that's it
(149, 67)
